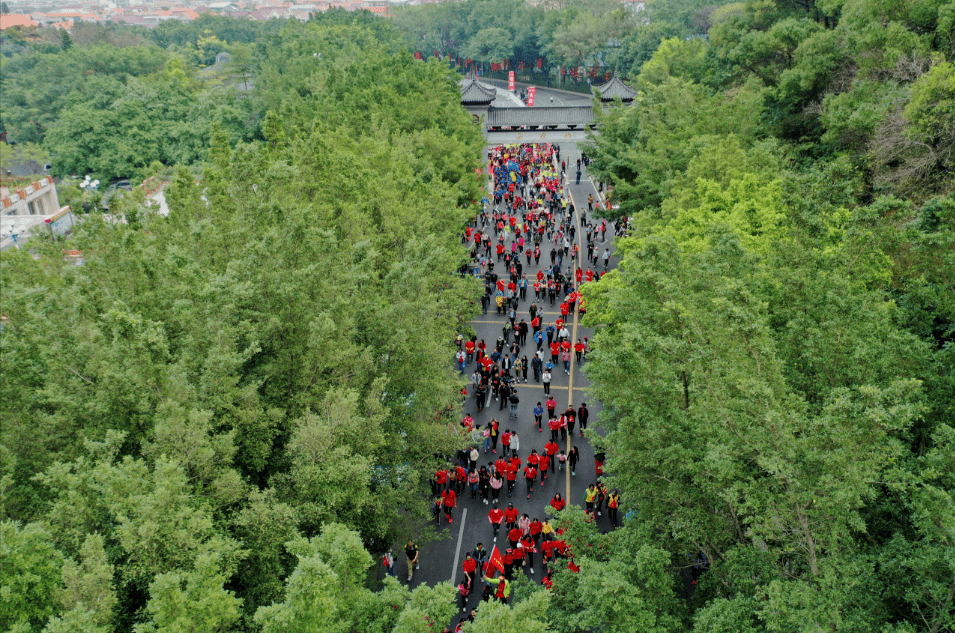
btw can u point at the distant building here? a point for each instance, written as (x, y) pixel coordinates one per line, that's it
(10, 20)
(27, 207)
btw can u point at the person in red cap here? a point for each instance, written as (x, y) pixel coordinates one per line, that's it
(496, 517)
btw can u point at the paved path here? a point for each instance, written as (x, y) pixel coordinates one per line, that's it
(441, 559)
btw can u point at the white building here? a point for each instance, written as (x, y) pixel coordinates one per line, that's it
(27, 207)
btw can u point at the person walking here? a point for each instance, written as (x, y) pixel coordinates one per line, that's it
(496, 482)
(484, 483)
(412, 553)
(613, 503)
(515, 400)
(530, 475)
(590, 498)
(539, 416)
(573, 459)
(450, 499)
(496, 518)
(388, 560)
(503, 587)
(583, 414)
(515, 443)
(494, 427)
(546, 380)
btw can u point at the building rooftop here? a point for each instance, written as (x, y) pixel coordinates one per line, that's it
(475, 93)
(615, 88)
(9, 20)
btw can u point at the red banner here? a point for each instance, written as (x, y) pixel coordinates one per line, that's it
(417, 55)
(495, 66)
(531, 93)
(510, 81)
(495, 563)
(540, 62)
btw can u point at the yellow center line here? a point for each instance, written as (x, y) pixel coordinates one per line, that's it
(573, 336)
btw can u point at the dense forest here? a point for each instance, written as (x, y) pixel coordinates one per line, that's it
(221, 418)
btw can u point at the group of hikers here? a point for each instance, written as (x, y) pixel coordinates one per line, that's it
(532, 218)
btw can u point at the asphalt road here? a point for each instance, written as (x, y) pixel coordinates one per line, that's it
(441, 559)
(548, 97)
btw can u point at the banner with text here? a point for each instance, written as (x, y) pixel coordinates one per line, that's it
(510, 81)
(531, 93)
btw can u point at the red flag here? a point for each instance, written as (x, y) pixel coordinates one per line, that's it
(540, 62)
(494, 563)
(417, 55)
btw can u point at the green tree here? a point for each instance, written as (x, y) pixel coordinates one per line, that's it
(29, 575)
(192, 601)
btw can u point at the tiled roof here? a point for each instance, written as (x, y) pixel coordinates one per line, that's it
(475, 93)
(615, 88)
(15, 19)
(543, 117)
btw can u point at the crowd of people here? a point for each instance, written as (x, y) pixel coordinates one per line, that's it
(531, 218)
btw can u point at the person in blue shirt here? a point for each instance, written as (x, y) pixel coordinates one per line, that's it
(539, 339)
(539, 416)
(550, 333)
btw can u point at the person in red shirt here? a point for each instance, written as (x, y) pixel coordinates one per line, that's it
(510, 516)
(543, 466)
(461, 481)
(558, 503)
(514, 536)
(512, 471)
(496, 517)
(551, 405)
(441, 477)
(547, 582)
(564, 309)
(500, 247)
(508, 564)
(450, 500)
(554, 352)
(530, 475)
(547, 551)
(579, 274)
(501, 466)
(590, 275)
(540, 275)
(579, 351)
(535, 530)
(518, 556)
(506, 440)
(528, 547)
(554, 425)
(551, 449)
(469, 350)
(470, 567)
